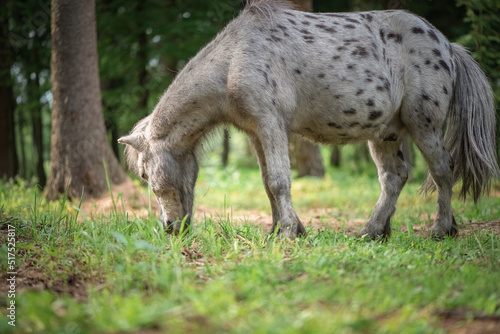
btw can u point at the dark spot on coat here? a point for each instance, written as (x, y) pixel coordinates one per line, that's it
(369, 17)
(308, 38)
(444, 65)
(306, 32)
(341, 48)
(338, 96)
(428, 120)
(351, 111)
(274, 38)
(359, 92)
(352, 20)
(432, 35)
(321, 75)
(445, 90)
(436, 52)
(427, 62)
(370, 103)
(353, 124)
(334, 125)
(412, 51)
(292, 21)
(382, 35)
(349, 41)
(337, 57)
(282, 27)
(351, 66)
(417, 30)
(306, 23)
(309, 16)
(425, 97)
(325, 28)
(361, 51)
(374, 115)
(297, 71)
(334, 15)
(350, 26)
(380, 88)
(397, 37)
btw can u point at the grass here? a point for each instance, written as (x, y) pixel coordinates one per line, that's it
(118, 273)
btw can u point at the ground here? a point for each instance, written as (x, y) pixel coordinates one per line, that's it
(130, 198)
(135, 202)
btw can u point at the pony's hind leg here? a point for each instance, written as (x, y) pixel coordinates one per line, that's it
(440, 163)
(393, 174)
(275, 166)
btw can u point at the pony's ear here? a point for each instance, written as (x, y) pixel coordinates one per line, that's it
(134, 140)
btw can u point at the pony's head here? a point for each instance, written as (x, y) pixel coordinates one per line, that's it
(171, 175)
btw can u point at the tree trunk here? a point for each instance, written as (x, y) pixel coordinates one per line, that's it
(9, 165)
(308, 159)
(225, 148)
(335, 156)
(36, 127)
(36, 117)
(79, 146)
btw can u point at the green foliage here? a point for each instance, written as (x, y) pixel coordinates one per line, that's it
(484, 40)
(143, 44)
(121, 273)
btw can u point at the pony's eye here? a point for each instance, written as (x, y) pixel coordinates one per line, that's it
(144, 176)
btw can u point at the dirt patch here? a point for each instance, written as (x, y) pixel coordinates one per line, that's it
(130, 198)
(463, 322)
(32, 277)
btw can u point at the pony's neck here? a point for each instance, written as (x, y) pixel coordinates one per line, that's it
(191, 107)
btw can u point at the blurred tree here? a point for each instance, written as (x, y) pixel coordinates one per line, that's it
(29, 39)
(79, 145)
(483, 16)
(9, 165)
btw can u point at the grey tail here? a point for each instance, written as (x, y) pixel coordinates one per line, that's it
(471, 128)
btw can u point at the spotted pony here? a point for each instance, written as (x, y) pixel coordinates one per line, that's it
(334, 79)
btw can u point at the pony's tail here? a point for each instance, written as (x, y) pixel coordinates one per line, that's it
(471, 128)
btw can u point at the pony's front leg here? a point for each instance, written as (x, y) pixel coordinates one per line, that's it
(393, 173)
(276, 177)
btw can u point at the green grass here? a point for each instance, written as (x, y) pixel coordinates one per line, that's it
(119, 273)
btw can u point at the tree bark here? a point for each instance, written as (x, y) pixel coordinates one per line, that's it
(335, 156)
(36, 116)
(79, 146)
(9, 165)
(225, 148)
(308, 159)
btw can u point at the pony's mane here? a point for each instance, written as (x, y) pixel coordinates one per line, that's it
(266, 8)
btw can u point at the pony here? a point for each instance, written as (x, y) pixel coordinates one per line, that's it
(333, 78)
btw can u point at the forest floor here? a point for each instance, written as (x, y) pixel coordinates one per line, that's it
(135, 201)
(103, 267)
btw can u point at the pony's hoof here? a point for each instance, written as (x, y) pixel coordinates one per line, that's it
(438, 233)
(375, 234)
